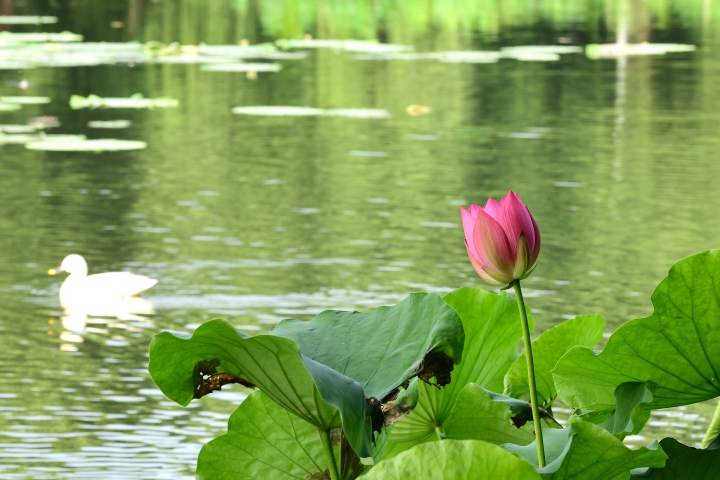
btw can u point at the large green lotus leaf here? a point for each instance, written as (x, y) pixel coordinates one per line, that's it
(477, 416)
(263, 441)
(547, 350)
(677, 348)
(713, 431)
(492, 332)
(588, 452)
(630, 413)
(381, 349)
(186, 368)
(555, 440)
(452, 460)
(474, 416)
(686, 463)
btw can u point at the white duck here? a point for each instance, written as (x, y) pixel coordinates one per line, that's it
(80, 288)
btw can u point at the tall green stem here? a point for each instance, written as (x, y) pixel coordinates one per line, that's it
(531, 373)
(330, 455)
(713, 431)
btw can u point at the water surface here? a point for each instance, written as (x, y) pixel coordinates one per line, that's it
(258, 219)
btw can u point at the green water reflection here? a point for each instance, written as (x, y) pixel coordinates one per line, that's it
(259, 219)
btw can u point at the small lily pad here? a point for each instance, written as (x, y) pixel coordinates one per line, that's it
(16, 138)
(287, 111)
(25, 100)
(477, 56)
(278, 111)
(242, 67)
(614, 50)
(137, 101)
(358, 46)
(356, 113)
(261, 51)
(13, 129)
(110, 124)
(25, 138)
(403, 56)
(9, 107)
(540, 49)
(191, 59)
(533, 56)
(27, 20)
(86, 145)
(39, 37)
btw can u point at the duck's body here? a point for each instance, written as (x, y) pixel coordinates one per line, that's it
(79, 287)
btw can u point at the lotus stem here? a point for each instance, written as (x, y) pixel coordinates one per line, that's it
(531, 373)
(713, 431)
(329, 454)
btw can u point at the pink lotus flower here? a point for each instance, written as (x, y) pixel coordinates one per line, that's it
(502, 239)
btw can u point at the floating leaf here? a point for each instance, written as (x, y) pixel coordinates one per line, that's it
(27, 20)
(73, 143)
(547, 350)
(9, 107)
(17, 129)
(686, 463)
(587, 451)
(242, 67)
(356, 113)
(540, 49)
(24, 138)
(400, 55)
(39, 37)
(385, 347)
(25, 100)
(676, 349)
(261, 51)
(16, 138)
(191, 59)
(109, 124)
(476, 56)
(263, 441)
(359, 46)
(136, 101)
(613, 50)
(278, 111)
(187, 368)
(284, 111)
(533, 56)
(452, 460)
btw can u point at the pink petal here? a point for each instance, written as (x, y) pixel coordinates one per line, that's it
(516, 221)
(483, 272)
(521, 259)
(534, 249)
(468, 220)
(492, 208)
(491, 247)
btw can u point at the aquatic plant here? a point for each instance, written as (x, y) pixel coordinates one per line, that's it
(503, 244)
(434, 387)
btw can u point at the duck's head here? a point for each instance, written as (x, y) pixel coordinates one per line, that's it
(73, 264)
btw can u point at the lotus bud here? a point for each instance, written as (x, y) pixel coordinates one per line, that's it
(502, 239)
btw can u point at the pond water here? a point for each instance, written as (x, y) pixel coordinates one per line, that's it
(258, 218)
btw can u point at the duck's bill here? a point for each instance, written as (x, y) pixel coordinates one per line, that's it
(54, 271)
